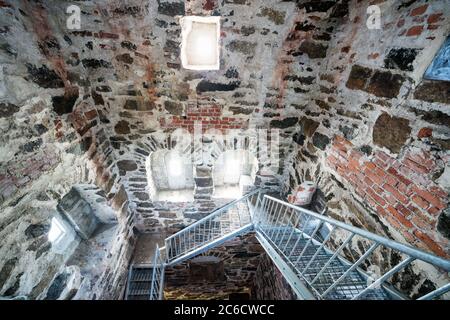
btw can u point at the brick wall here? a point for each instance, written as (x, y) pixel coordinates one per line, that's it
(102, 98)
(209, 117)
(399, 190)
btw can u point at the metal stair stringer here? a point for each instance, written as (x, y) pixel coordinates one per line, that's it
(224, 224)
(298, 242)
(215, 243)
(297, 285)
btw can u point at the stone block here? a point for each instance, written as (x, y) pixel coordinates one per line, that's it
(8, 109)
(433, 91)
(320, 141)
(401, 59)
(391, 132)
(315, 50)
(359, 77)
(385, 84)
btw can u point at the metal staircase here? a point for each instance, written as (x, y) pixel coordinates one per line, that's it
(307, 247)
(139, 282)
(227, 222)
(145, 281)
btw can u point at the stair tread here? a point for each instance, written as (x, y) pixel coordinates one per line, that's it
(291, 246)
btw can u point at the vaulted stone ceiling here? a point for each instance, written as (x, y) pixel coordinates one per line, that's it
(90, 105)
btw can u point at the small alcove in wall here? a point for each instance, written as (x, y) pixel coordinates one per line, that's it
(80, 214)
(170, 176)
(234, 172)
(82, 230)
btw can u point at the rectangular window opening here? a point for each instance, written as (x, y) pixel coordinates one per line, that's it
(200, 48)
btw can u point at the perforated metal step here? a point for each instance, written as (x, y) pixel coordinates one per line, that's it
(139, 283)
(293, 249)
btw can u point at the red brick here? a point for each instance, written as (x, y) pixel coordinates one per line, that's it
(433, 27)
(430, 243)
(423, 159)
(368, 182)
(425, 133)
(420, 202)
(403, 188)
(419, 10)
(357, 155)
(431, 198)
(434, 211)
(378, 190)
(381, 211)
(353, 164)
(381, 173)
(414, 31)
(371, 202)
(391, 181)
(376, 197)
(393, 222)
(439, 192)
(400, 177)
(374, 177)
(343, 141)
(408, 236)
(420, 223)
(433, 18)
(91, 114)
(396, 194)
(370, 165)
(360, 192)
(405, 222)
(415, 166)
(389, 198)
(382, 156)
(404, 211)
(414, 209)
(332, 159)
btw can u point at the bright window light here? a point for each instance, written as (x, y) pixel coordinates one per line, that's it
(227, 192)
(56, 231)
(233, 168)
(200, 43)
(175, 165)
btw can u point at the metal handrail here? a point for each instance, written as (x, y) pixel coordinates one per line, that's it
(278, 221)
(210, 230)
(215, 213)
(157, 284)
(409, 250)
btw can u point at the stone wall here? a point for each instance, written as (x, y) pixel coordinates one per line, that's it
(51, 140)
(91, 105)
(269, 282)
(374, 133)
(232, 272)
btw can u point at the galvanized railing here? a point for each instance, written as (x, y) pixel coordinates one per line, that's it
(300, 243)
(157, 285)
(225, 223)
(309, 248)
